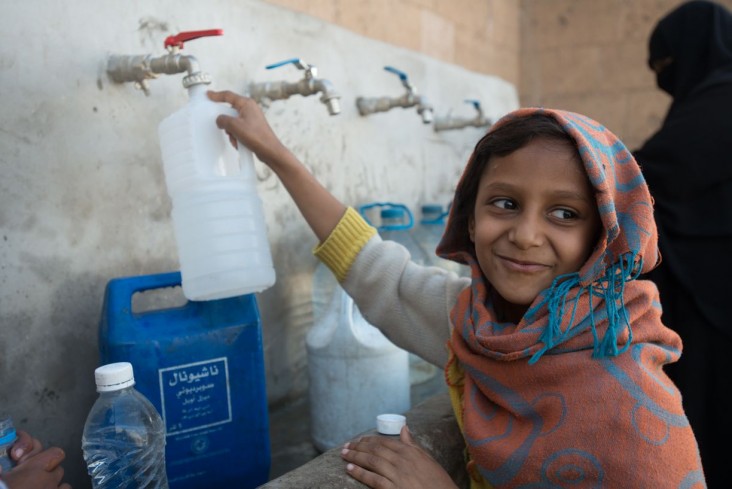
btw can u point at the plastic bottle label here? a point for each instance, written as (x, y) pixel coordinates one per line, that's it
(195, 396)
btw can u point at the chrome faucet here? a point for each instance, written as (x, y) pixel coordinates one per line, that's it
(447, 123)
(409, 99)
(265, 92)
(141, 68)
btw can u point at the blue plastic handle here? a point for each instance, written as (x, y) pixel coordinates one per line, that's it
(282, 63)
(388, 205)
(402, 76)
(476, 103)
(119, 291)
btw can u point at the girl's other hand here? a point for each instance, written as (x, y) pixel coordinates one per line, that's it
(388, 463)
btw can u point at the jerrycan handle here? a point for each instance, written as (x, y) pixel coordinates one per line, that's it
(118, 296)
(388, 205)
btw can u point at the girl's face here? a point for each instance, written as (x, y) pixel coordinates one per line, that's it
(535, 218)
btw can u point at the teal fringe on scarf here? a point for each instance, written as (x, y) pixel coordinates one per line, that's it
(611, 287)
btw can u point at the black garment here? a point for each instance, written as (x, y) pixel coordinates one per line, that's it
(688, 166)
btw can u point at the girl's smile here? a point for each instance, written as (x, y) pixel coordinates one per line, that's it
(535, 218)
(521, 266)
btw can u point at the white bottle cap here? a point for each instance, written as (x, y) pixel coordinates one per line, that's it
(114, 376)
(390, 424)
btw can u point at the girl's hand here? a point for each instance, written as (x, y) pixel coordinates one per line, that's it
(388, 463)
(250, 128)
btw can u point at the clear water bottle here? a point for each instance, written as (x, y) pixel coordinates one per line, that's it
(397, 223)
(7, 438)
(428, 234)
(124, 437)
(217, 214)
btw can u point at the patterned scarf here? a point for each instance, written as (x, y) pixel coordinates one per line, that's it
(574, 394)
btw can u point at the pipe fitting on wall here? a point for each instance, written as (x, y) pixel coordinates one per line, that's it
(449, 123)
(409, 99)
(266, 92)
(139, 69)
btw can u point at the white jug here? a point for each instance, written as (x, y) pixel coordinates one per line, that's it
(355, 374)
(217, 214)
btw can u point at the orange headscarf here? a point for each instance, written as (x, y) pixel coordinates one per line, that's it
(575, 394)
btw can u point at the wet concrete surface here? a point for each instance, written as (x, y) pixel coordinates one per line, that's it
(290, 427)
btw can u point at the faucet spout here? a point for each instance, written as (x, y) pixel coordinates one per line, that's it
(424, 109)
(330, 97)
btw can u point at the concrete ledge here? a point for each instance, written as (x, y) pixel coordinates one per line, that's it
(432, 424)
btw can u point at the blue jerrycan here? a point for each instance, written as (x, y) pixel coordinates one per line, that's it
(202, 367)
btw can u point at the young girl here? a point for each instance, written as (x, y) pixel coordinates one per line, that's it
(552, 351)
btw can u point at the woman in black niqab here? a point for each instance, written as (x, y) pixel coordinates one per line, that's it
(688, 166)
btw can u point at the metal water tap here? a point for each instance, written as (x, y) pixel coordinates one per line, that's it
(409, 99)
(265, 92)
(447, 123)
(141, 68)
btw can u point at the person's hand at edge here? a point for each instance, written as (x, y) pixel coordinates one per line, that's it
(24, 447)
(41, 470)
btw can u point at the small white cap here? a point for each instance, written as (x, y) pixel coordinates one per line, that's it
(114, 376)
(390, 424)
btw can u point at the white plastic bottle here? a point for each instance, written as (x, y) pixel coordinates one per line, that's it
(124, 437)
(355, 373)
(217, 214)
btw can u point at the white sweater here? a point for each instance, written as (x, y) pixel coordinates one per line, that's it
(409, 303)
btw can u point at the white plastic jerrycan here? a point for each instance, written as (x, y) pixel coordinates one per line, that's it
(355, 374)
(217, 214)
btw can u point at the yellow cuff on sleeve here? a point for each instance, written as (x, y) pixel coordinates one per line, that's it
(341, 247)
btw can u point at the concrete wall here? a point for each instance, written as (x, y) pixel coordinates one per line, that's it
(82, 196)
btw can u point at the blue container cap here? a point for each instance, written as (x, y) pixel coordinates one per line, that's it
(431, 209)
(388, 210)
(433, 214)
(392, 212)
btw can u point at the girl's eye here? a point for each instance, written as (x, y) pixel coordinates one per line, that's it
(504, 204)
(563, 214)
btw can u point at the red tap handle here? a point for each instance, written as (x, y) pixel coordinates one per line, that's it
(178, 39)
